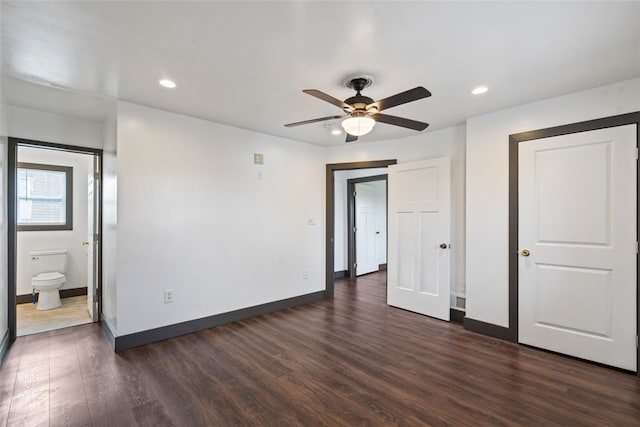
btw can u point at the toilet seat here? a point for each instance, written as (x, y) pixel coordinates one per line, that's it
(51, 278)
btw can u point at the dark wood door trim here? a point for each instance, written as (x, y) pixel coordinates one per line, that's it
(329, 212)
(351, 218)
(514, 141)
(12, 162)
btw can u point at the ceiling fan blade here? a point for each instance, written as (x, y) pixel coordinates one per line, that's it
(321, 119)
(351, 138)
(400, 121)
(327, 98)
(402, 98)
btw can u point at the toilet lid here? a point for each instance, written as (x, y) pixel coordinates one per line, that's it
(48, 276)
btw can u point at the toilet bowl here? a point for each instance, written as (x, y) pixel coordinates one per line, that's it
(47, 269)
(47, 285)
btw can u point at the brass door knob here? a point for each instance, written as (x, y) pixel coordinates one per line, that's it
(525, 252)
(85, 243)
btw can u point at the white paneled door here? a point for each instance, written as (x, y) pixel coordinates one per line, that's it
(419, 235)
(577, 241)
(365, 205)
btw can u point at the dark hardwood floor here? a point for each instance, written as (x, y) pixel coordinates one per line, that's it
(348, 362)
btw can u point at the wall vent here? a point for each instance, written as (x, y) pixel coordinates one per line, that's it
(461, 303)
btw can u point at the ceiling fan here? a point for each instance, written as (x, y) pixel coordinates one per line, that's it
(362, 112)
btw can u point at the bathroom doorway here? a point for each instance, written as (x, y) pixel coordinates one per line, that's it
(54, 221)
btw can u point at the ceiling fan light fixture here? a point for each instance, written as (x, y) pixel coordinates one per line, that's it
(358, 126)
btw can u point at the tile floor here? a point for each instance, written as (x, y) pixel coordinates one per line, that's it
(72, 313)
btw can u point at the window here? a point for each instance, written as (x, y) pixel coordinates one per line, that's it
(45, 197)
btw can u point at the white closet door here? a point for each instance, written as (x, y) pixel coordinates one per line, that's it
(577, 220)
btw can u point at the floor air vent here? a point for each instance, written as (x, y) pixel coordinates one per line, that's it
(461, 303)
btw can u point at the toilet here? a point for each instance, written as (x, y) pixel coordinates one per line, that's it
(47, 276)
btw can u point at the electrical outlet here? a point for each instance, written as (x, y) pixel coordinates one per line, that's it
(259, 173)
(305, 274)
(168, 296)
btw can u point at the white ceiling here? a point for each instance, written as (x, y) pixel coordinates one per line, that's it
(245, 63)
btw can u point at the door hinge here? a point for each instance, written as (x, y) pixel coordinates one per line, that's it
(355, 194)
(95, 295)
(636, 153)
(355, 229)
(636, 247)
(355, 265)
(96, 176)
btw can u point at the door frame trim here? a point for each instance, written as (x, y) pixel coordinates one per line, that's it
(12, 162)
(351, 217)
(514, 141)
(330, 214)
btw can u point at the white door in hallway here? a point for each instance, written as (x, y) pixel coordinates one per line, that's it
(366, 261)
(577, 241)
(419, 235)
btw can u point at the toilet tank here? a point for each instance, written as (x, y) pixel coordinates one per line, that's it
(48, 261)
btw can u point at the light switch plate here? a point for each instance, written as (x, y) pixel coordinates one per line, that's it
(258, 159)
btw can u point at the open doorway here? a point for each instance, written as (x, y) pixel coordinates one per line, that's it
(367, 223)
(54, 249)
(336, 241)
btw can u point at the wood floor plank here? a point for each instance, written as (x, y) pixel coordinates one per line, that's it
(112, 410)
(7, 384)
(347, 362)
(70, 415)
(67, 399)
(32, 377)
(29, 409)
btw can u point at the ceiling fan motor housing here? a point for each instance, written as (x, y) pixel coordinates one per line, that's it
(358, 102)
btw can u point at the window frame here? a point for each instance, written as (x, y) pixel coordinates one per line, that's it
(68, 171)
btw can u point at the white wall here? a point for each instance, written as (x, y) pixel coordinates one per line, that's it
(193, 216)
(448, 142)
(340, 221)
(57, 128)
(487, 184)
(29, 241)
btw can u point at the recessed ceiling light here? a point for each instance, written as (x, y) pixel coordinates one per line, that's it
(170, 84)
(336, 132)
(480, 90)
